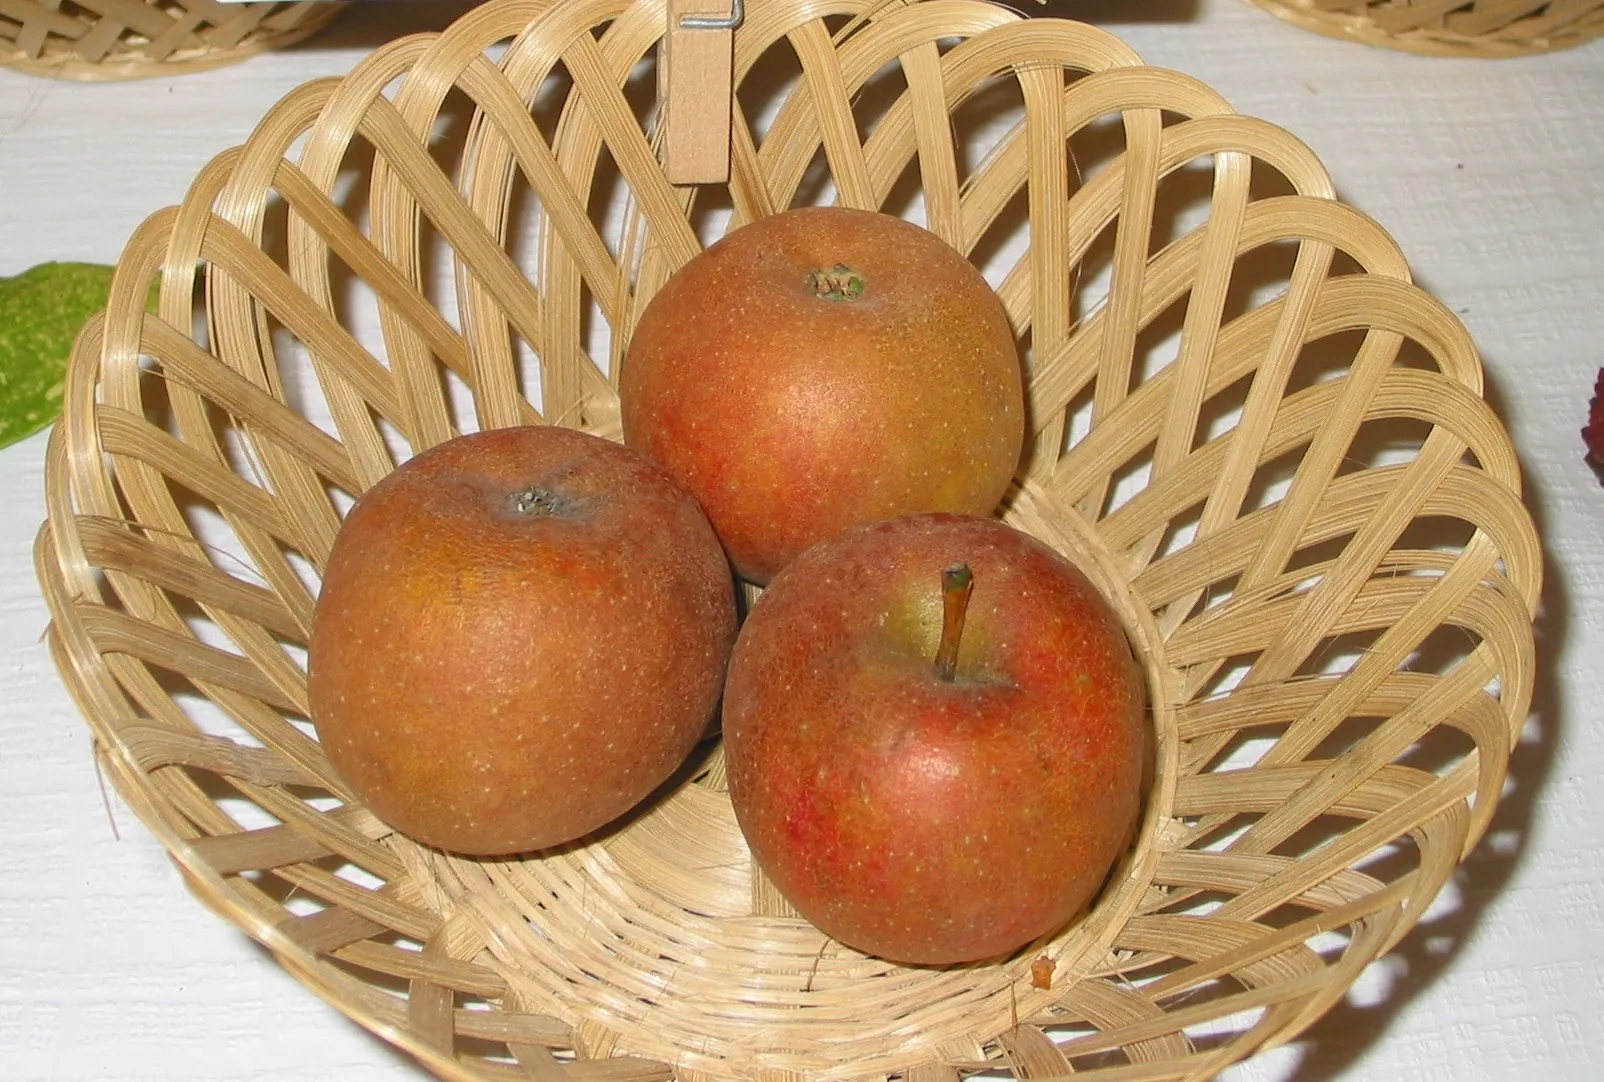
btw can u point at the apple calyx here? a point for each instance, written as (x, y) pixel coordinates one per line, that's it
(957, 582)
(838, 283)
(538, 502)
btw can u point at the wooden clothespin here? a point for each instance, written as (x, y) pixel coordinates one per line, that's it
(696, 89)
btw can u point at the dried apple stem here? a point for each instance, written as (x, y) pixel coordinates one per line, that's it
(537, 501)
(957, 582)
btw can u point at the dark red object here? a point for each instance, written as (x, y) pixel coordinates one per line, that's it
(1593, 434)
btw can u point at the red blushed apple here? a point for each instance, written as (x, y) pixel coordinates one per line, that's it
(935, 732)
(822, 368)
(520, 634)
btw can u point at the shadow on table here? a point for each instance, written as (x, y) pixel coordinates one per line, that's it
(1345, 1033)
(374, 22)
(1112, 12)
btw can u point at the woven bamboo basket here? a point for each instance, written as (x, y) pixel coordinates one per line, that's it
(131, 39)
(1478, 28)
(1265, 444)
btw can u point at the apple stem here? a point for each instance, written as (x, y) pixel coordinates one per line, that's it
(957, 582)
(839, 283)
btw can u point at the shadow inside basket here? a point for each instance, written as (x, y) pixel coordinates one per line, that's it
(1263, 443)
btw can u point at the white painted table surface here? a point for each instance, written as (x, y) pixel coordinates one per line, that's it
(1489, 174)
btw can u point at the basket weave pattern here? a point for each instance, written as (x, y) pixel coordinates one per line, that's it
(1263, 442)
(124, 39)
(1485, 28)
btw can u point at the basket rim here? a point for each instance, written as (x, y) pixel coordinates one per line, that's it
(1499, 44)
(64, 63)
(66, 573)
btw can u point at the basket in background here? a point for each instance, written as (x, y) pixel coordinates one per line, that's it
(1484, 28)
(1265, 444)
(131, 39)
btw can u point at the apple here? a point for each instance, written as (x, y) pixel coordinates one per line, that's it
(520, 634)
(823, 368)
(935, 733)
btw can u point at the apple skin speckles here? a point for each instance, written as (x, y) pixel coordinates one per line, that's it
(520, 634)
(922, 820)
(791, 415)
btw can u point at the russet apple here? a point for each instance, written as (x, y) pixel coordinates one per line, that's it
(520, 634)
(935, 732)
(822, 368)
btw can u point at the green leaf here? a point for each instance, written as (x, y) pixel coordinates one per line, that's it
(41, 312)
